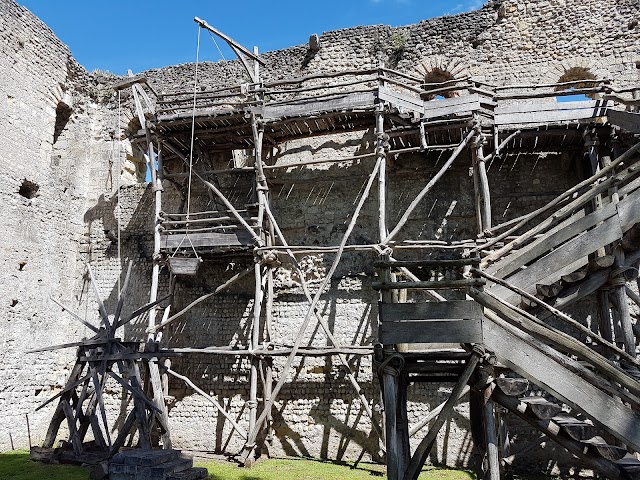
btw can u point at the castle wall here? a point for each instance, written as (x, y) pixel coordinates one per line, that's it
(73, 219)
(53, 171)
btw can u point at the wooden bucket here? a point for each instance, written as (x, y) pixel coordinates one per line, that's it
(184, 265)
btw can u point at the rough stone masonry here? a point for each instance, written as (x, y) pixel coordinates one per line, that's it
(62, 162)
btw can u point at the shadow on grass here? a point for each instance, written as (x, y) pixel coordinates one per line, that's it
(17, 465)
(298, 468)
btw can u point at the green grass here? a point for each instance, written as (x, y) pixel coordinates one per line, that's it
(299, 469)
(17, 465)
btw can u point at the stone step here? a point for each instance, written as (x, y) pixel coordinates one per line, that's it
(146, 458)
(165, 469)
(191, 474)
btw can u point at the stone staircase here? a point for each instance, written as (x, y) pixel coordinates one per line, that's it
(154, 465)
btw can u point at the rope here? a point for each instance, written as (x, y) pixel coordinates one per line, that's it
(385, 365)
(216, 43)
(617, 277)
(193, 129)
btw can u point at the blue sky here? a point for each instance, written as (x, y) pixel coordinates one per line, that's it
(116, 35)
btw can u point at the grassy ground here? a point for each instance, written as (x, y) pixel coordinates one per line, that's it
(17, 466)
(306, 469)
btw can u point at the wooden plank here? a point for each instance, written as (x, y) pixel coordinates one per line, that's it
(558, 235)
(207, 239)
(629, 210)
(573, 253)
(309, 106)
(431, 331)
(441, 109)
(427, 263)
(525, 107)
(454, 309)
(451, 102)
(433, 285)
(523, 358)
(547, 116)
(628, 121)
(415, 104)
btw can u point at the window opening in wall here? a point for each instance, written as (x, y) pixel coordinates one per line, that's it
(575, 74)
(28, 189)
(63, 114)
(437, 76)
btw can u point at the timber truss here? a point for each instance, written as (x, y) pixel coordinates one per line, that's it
(488, 296)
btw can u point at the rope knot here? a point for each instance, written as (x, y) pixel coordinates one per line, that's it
(387, 367)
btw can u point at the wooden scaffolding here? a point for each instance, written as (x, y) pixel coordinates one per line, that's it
(474, 317)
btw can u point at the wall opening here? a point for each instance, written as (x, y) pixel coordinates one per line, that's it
(28, 189)
(575, 74)
(436, 76)
(63, 114)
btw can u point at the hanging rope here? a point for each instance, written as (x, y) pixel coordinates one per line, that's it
(193, 129)
(216, 43)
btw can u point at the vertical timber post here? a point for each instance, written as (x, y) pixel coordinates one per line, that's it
(156, 185)
(481, 181)
(261, 190)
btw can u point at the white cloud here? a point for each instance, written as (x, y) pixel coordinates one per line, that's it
(467, 6)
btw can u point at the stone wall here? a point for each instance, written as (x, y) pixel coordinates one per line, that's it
(55, 155)
(73, 217)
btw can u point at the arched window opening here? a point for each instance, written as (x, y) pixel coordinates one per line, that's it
(63, 114)
(577, 75)
(438, 76)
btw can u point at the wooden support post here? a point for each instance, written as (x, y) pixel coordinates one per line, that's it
(491, 441)
(619, 293)
(380, 153)
(254, 343)
(483, 198)
(604, 316)
(402, 423)
(422, 451)
(428, 187)
(311, 311)
(390, 394)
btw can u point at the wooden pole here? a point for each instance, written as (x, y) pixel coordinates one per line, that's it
(491, 441)
(325, 327)
(553, 203)
(215, 403)
(255, 339)
(428, 187)
(479, 163)
(311, 311)
(381, 155)
(629, 338)
(422, 451)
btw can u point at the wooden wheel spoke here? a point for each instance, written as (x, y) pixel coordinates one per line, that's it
(101, 309)
(123, 291)
(98, 390)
